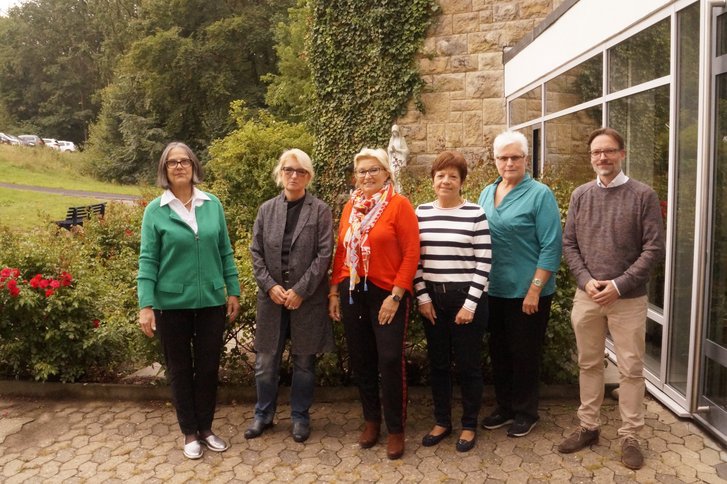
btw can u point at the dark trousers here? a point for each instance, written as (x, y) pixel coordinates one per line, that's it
(192, 343)
(376, 349)
(516, 348)
(448, 341)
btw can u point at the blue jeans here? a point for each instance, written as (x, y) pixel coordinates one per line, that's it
(267, 376)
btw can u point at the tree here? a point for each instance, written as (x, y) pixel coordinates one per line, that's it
(178, 80)
(290, 91)
(50, 69)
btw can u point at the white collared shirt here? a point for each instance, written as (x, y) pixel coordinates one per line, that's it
(188, 216)
(619, 180)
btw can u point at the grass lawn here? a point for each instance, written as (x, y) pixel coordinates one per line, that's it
(24, 209)
(46, 168)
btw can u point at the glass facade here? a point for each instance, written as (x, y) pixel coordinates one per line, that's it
(643, 120)
(640, 58)
(566, 150)
(575, 86)
(527, 106)
(684, 196)
(668, 98)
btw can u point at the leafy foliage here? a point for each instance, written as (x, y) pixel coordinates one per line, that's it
(54, 57)
(290, 91)
(178, 80)
(362, 58)
(86, 329)
(240, 172)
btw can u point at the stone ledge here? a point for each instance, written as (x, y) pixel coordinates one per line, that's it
(226, 393)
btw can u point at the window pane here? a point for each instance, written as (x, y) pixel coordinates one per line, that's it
(575, 86)
(566, 149)
(526, 107)
(643, 120)
(652, 358)
(722, 35)
(717, 329)
(640, 58)
(685, 203)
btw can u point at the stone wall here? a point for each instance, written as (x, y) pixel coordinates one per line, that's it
(462, 64)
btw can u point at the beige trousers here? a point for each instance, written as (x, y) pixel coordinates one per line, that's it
(625, 319)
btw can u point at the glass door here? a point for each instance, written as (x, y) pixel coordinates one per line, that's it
(713, 388)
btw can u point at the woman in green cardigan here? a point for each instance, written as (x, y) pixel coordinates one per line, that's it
(187, 285)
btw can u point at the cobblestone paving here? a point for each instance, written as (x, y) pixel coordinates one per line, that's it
(135, 442)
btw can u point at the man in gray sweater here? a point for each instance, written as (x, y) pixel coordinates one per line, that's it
(613, 238)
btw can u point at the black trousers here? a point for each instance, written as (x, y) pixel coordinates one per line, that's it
(516, 348)
(376, 349)
(192, 344)
(461, 343)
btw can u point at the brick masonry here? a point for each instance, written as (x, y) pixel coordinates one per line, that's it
(462, 65)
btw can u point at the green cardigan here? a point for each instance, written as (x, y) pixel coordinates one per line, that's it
(181, 270)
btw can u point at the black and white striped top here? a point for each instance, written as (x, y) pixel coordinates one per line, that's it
(455, 247)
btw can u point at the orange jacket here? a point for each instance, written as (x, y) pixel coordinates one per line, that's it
(394, 242)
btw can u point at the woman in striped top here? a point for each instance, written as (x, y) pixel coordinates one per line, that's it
(451, 281)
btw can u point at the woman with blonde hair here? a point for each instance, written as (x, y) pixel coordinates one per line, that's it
(291, 252)
(370, 291)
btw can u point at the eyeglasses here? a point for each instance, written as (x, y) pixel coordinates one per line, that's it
(607, 152)
(514, 159)
(298, 171)
(184, 162)
(371, 171)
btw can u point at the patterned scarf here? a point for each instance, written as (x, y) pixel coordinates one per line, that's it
(364, 214)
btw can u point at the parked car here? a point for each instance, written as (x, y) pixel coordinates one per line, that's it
(67, 146)
(31, 140)
(52, 143)
(9, 139)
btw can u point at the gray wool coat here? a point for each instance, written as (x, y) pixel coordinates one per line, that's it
(310, 255)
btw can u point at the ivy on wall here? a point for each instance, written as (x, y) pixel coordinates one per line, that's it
(363, 61)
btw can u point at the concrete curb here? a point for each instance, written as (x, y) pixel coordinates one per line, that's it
(226, 393)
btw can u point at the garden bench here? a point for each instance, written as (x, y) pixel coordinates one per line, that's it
(76, 215)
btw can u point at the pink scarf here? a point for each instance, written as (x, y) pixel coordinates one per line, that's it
(364, 214)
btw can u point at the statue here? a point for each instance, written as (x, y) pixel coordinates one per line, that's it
(398, 154)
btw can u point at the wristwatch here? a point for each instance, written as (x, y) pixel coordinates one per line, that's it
(396, 298)
(537, 282)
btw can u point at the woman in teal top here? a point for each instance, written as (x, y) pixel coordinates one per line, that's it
(526, 247)
(187, 285)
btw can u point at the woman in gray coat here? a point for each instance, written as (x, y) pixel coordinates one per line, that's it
(291, 252)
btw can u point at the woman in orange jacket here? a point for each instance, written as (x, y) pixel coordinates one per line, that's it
(370, 291)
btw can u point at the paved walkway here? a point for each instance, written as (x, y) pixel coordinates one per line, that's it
(134, 442)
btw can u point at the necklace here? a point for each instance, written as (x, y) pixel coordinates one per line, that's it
(189, 201)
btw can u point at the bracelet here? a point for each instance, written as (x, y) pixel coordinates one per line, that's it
(333, 294)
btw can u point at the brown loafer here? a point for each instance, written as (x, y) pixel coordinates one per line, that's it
(370, 435)
(395, 446)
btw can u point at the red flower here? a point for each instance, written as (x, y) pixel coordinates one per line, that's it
(49, 292)
(5, 272)
(12, 284)
(66, 279)
(55, 284)
(14, 291)
(128, 232)
(35, 281)
(16, 273)
(44, 283)
(96, 323)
